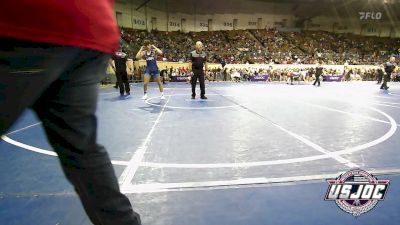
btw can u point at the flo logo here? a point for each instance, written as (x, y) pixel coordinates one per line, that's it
(370, 15)
(356, 191)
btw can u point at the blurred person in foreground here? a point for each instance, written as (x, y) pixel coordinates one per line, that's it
(52, 57)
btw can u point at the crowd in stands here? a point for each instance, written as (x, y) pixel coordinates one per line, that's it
(174, 44)
(266, 46)
(307, 74)
(277, 74)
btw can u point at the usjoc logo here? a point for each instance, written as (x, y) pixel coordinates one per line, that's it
(356, 191)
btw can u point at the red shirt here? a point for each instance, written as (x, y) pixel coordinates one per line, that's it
(80, 23)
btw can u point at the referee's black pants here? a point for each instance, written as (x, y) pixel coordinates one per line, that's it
(198, 74)
(386, 78)
(123, 82)
(317, 81)
(380, 77)
(61, 85)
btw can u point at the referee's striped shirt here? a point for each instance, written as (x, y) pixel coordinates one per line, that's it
(198, 59)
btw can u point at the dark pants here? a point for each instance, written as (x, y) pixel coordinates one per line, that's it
(60, 85)
(317, 80)
(291, 79)
(380, 77)
(386, 78)
(123, 82)
(198, 74)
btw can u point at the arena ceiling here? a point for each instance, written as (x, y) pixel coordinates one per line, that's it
(301, 9)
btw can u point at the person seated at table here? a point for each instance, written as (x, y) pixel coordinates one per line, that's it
(296, 75)
(303, 75)
(236, 76)
(348, 75)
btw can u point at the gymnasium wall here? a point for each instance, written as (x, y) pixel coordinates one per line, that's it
(161, 20)
(275, 16)
(355, 26)
(370, 19)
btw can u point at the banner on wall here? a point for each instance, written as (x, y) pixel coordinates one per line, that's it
(227, 24)
(203, 25)
(259, 78)
(174, 24)
(139, 23)
(252, 24)
(179, 78)
(332, 78)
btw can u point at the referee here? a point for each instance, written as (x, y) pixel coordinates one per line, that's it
(318, 73)
(389, 68)
(120, 61)
(198, 64)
